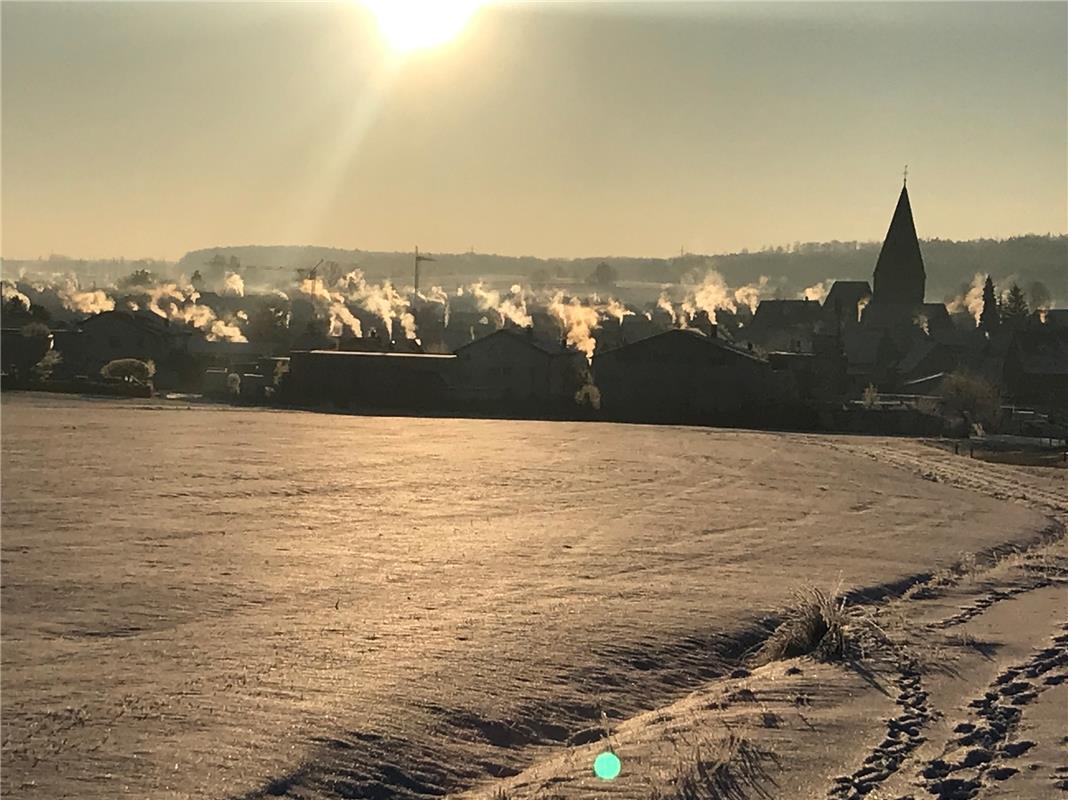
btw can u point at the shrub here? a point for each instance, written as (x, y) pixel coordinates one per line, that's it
(928, 406)
(975, 399)
(43, 369)
(35, 329)
(588, 396)
(281, 369)
(129, 369)
(815, 624)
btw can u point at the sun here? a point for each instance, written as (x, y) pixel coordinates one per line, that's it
(421, 24)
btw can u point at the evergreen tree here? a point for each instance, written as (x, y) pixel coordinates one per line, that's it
(988, 319)
(1014, 309)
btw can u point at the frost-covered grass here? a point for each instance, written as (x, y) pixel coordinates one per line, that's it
(236, 600)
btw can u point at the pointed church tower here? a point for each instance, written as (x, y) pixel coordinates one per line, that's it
(900, 278)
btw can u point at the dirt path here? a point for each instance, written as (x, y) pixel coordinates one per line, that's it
(962, 695)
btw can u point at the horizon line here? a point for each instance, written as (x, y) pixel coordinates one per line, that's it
(786, 248)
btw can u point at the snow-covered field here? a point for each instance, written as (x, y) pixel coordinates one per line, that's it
(206, 602)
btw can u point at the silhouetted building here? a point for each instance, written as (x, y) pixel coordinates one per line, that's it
(785, 325)
(934, 318)
(1036, 366)
(871, 358)
(844, 302)
(369, 380)
(20, 351)
(511, 369)
(682, 375)
(927, 357)
(123, 334)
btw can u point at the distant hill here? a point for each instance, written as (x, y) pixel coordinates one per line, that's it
(950, 264)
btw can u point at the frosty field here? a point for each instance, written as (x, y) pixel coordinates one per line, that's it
(211, 602)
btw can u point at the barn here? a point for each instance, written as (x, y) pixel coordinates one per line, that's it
(683, 375)
(512, 370)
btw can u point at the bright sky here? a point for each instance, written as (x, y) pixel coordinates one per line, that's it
(146, 129)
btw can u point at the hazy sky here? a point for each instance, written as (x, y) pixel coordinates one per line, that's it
(146, 129)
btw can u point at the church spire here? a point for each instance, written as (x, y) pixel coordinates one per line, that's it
(900, 277)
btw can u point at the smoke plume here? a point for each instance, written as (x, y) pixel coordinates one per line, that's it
(578, 322)
(178, 303)
(91, 301)
(862, 303)
(751, 294)
(818, 291)
(331, 305)
(9, 292)
(970, 300)
(664, 304)
(233, 285)
(512, 308)
(616, 310)
(383, 301)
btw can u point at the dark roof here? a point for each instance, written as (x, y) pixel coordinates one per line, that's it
(847, 291)
(899, 272)
(786, 312)
(686, 334)
(1057, 317)
(916, 356)
(844, 299)
(525, 337)
(368, 354)
(145, 320)
(1042, 351)
(936, 312)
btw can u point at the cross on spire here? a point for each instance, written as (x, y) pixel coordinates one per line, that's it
(905, 176)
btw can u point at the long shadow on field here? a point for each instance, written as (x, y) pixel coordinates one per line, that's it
(452, 746)
(446, 748)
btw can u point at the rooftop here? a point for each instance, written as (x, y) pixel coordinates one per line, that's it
(370, 354)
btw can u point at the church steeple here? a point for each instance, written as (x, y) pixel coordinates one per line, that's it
(900, 277)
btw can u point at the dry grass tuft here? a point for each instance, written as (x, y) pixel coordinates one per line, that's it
(815, 625)
(729, 767)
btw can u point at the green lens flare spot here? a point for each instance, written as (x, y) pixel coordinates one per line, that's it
(606, 766)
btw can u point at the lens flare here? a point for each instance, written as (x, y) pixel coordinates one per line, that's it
(607, 766)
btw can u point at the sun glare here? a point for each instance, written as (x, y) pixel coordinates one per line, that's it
(421, 24)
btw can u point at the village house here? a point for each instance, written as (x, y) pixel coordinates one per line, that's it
(122, 334)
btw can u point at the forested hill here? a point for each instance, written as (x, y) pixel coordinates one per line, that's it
(950, 264)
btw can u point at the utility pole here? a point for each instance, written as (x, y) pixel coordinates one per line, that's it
(419, 258)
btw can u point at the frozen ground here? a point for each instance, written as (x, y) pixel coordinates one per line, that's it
(208, 602)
